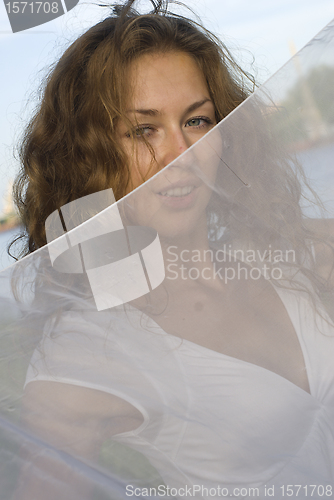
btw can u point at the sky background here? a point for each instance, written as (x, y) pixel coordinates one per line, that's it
(257, 32)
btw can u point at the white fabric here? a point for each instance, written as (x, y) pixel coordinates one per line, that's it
(210, 418)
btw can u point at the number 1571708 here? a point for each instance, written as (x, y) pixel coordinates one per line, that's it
(310, 490)
(32, 7)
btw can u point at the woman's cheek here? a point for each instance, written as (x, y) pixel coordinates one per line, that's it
(142, 167)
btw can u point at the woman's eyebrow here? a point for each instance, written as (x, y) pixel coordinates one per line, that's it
(196, 105)
(148, 112)
(155, 112)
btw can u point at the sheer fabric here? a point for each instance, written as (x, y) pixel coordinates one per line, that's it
(183, 336)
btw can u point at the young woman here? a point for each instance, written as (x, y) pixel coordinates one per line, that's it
(219, 374)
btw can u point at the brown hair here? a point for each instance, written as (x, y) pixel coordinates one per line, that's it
(69, 148)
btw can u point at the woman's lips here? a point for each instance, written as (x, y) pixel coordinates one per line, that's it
(178, 197)
(178, 191)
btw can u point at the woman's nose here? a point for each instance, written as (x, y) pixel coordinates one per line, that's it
(176, 142)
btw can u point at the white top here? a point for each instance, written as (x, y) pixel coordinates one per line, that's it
(209, 419)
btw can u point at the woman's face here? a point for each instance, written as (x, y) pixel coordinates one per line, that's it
(170, 106)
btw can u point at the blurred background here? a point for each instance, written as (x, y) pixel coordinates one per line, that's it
(261, 35)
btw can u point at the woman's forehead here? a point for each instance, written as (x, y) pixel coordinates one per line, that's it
(160, 77)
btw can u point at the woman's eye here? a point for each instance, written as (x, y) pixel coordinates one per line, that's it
(198, 122)
(143, 131)
(140, 132)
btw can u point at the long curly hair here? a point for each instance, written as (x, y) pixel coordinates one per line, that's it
(69, 149)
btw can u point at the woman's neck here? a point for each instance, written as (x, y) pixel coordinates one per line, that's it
(189, 261)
